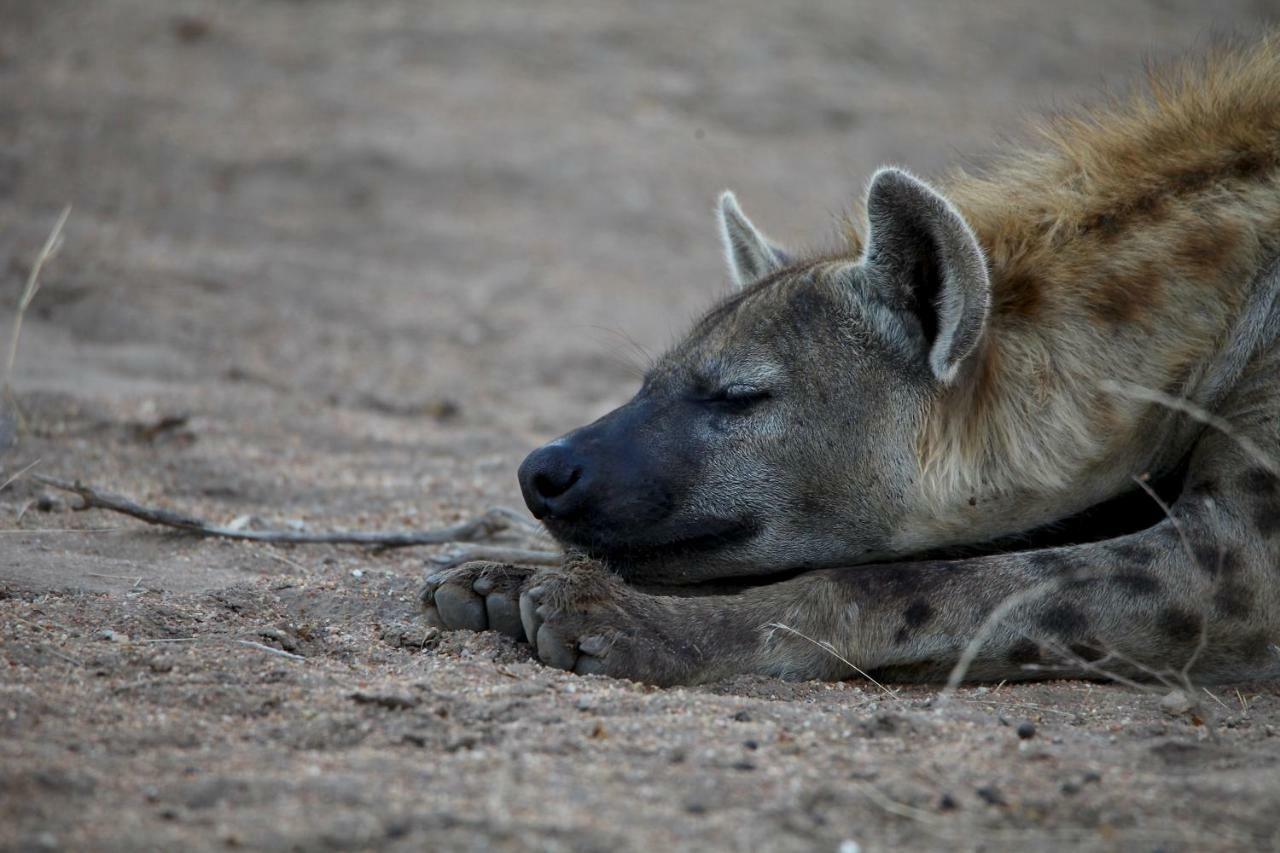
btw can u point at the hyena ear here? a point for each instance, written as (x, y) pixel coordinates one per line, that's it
(925, 258)
(749, 253)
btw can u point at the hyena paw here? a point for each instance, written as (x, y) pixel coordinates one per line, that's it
(583, 619)
(477, 596)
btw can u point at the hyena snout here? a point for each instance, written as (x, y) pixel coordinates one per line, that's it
(551, 480)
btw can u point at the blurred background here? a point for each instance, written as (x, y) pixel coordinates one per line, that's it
(342, 263)
(355, 258)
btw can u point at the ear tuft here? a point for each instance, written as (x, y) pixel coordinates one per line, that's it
(747, 251)
(927, 260)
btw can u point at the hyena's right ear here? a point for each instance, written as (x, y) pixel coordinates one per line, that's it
(749, 253)
(924, 258)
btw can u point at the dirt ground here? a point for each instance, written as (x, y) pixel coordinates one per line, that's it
(343, 264)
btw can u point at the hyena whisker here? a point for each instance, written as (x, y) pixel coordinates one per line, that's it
(626, 349)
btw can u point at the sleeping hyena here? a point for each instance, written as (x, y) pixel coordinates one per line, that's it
(981, 360)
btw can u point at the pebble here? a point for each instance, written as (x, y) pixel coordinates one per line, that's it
(1026, 730)
(1176, 703)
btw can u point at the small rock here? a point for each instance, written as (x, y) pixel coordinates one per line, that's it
(389, 700)
(750, 744)
(991, 794)
(161, 664)
(584, 703)
(1176, 703)
(1026, 730)
(947, 803)
(849, 846)
(47, 502)
(110, 636)
(743, 716)
(357, 573)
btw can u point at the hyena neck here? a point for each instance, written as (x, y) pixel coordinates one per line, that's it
(1021, 440)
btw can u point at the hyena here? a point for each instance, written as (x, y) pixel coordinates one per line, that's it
(982, 359)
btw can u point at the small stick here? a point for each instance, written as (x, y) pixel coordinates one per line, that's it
(263, 648)
(519, 556)
(35, 530)
(490, 522)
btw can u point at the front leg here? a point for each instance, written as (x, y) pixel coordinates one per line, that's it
(1166, 602)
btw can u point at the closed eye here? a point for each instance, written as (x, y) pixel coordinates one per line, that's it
(739, 398)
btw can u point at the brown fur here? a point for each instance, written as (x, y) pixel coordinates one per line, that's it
(1141, 222)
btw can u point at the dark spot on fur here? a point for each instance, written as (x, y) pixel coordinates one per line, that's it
(1064, 620)
(1089, 651)
(918, 613)
(1050, 561)
(1233, 600)
(1215, 559)
(1132, 552)
(1126, 298)
(1267, 518)
(1137, 583)
(1180, 625)
(1019, 295)
(1258, 481)
(1255, 645)
(1024, 652)
(1207, 250)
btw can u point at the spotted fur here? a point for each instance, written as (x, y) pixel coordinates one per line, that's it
(985, 356)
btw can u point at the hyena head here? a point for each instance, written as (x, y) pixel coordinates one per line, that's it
(782, 432)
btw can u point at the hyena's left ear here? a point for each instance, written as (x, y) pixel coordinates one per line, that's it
(924, 258)
(748, 252)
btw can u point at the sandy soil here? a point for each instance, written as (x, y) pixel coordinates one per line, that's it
(343, 263)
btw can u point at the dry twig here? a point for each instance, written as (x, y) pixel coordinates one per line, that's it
(481, 527)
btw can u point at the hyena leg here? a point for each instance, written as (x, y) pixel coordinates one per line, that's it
(1198, 594)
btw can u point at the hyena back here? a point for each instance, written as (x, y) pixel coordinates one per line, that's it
(980, 360)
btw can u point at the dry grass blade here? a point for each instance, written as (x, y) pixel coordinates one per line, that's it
(1178, 404)
(17, 476)
(831, 650)
(481, 527)
(29, 293)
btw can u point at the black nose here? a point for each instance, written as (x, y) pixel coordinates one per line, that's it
(550, 478)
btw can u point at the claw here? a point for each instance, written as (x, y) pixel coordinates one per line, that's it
(505, 617)
(594, 645)
(529, 617)
(553, 651)
(461, 608)
(588, 665)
